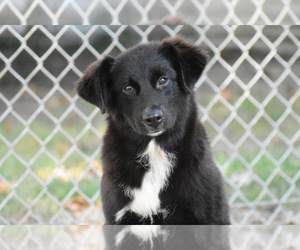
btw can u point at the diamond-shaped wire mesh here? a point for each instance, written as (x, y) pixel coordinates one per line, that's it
(92, 236)
(249, 100)
(146, 12)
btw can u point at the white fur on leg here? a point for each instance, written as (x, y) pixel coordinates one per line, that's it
(144, 233)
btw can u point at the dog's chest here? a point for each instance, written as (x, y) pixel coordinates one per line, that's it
(145, 200)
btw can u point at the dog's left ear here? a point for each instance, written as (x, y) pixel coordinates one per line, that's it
(95, 85)
(188, 61)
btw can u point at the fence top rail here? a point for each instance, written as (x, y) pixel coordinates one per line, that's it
(112, 12)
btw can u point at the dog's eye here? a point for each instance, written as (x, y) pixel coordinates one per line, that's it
(163, 80)
(128, 89)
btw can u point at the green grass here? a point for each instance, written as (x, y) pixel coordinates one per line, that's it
(263, 169)
(48, 173)
(29, 181)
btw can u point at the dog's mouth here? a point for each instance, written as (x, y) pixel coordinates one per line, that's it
(142, 130)
(154, 134)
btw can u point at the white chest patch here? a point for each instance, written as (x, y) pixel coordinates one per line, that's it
(145, 200)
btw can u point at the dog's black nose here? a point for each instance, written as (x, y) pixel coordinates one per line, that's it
(153, 118)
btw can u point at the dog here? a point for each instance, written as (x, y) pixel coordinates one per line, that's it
(128, 237)
(157, 162)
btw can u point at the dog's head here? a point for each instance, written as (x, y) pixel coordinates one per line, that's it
(147, 85)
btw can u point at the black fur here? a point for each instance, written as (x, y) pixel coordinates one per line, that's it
(169, 238)
(195, 194)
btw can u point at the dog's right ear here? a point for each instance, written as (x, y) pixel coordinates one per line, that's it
(95, 85)
(189, 61)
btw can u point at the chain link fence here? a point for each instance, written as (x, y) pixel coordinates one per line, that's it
(146, 12)
(249, 100)
(92, 237)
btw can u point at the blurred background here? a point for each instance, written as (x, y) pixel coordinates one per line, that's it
(149, 11)
(93, 237)
(50, 140)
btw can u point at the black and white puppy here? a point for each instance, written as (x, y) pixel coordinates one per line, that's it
(157, 162)
(166, 237)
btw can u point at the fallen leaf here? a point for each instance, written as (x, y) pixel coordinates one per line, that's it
(4, 187)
